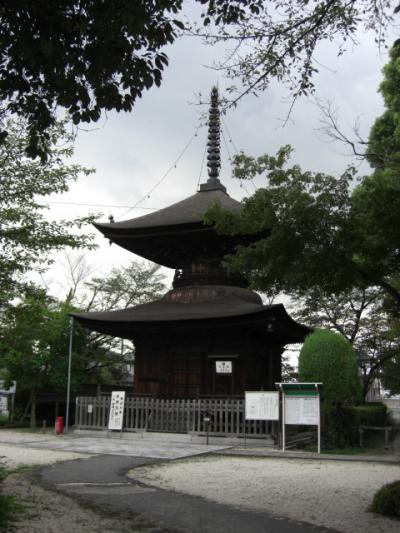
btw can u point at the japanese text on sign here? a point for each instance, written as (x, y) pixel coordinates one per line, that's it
(302, 410)
(223, 367)
(262, 405)
(116, 410)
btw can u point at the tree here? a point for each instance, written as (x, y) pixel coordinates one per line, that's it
(384, 140)
(328, 358)
(391, 374)
(91, 56)
(313, 230)
(35, 332)
(360, 317)
(26, 235)
(279, 40)
(34, 344)
(334, 238)
(138, 283)
(83, 56)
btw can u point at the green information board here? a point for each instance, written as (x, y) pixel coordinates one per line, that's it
(300, 406)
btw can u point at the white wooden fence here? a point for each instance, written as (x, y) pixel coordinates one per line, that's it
(226, 416)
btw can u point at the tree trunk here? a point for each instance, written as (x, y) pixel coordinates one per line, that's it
(33, 409)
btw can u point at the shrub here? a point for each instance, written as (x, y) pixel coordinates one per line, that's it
(387, 500)
(370, 414)
(329, 358)
(3, 420)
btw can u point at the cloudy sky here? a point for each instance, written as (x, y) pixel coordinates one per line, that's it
(133, 152)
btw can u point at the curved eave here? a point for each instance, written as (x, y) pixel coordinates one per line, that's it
(112, 231)
(158, 315)
(188, 211)
(169, 246)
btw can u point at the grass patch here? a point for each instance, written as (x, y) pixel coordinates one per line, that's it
(345, 451)
(10, 507)
(337, 451)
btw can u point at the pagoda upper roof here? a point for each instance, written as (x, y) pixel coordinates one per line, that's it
(189, 211)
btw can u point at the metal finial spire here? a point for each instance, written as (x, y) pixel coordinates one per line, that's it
(213, 146)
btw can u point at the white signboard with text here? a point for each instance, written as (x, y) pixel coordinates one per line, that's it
(223, 367)
(302, 410)
(116, 410)
(262, 405)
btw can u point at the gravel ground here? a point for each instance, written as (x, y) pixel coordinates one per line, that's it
(50, 512)
(47, 511)
(13, 456)
(333, 494)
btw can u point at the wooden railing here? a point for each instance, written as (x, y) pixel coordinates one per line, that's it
(226, 416)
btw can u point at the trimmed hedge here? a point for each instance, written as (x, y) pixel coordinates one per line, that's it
(354, 416)
(387, 500)
(329, 358)
(370, 414)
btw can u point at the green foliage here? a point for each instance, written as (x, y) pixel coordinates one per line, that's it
(35, 333)
(303, 234)
(328, 358)
(384, 141)
(34, 342)
(315, 231)
(85, 56)
(3, 420)
(89, 56)
(361, 316)
(350, 417)
(26, 235)
(373, 414)
(387, 500)
(391, 374)
(9, 506)
(312, 230)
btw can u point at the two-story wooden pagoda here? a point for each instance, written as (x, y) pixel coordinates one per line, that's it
(210, 335)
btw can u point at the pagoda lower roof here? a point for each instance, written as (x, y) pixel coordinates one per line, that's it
(196, 306)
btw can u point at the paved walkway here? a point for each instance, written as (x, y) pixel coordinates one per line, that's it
(168, 446)
(135, 444)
